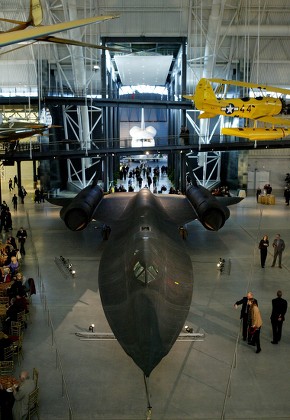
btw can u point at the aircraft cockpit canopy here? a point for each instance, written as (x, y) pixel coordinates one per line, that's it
(145, 274)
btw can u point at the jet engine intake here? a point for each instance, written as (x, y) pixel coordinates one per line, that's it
(79, 212)
(209, 211)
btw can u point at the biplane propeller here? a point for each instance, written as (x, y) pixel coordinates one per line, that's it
(262, 107)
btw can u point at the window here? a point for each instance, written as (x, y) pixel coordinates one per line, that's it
(143, 274)
(139, 272)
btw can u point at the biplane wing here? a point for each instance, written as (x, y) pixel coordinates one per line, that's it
(251, 85)
(275, 121)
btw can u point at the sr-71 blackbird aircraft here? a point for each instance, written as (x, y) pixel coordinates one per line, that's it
(145, 273)
(42, 33)
(261, 107)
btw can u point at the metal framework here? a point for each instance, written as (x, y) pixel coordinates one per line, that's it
(81, 120)
(224, 39)
(205, 160)
(77, 120)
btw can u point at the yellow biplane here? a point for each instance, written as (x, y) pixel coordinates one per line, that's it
(261, 107)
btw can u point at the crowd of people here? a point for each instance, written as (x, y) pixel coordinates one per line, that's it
(22, 193)
(222, 191)
(142, 175)
(250, 314)
(11, 252)
(252, 320)
(17, 289)
(39, 195)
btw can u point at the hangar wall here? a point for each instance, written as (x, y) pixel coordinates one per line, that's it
(276, 161)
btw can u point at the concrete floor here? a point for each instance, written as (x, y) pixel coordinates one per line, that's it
(219, 377)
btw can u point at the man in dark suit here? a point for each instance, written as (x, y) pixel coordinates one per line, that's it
(279, 309)
(279, 246)
(21, 236)
(245, 312)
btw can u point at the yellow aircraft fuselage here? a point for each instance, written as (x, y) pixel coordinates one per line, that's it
(253, 108)
(260, 108)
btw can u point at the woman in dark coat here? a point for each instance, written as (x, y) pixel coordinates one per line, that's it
(263, 247)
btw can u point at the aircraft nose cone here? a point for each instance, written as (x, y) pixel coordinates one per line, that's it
(149, 347)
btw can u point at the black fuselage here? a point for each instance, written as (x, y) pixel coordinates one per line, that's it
(145, 281)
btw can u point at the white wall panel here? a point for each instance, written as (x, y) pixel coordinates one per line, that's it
(17, 73)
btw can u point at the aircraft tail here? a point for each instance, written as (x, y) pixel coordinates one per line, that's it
(34, 19)
(35, 15)
(204, 94)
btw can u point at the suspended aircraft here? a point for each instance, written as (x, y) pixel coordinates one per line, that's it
(21, 32)
(145, 273)
(13, 130)
(262, 107)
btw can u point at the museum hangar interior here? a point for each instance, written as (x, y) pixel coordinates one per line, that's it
(92, 94)
(151, 55)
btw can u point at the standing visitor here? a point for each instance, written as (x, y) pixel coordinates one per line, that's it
(15, 201)
(10, 185)
(279, 309)
(279, 246)
(21, 236)
(255, 324)
(245, 312)
(263, 247)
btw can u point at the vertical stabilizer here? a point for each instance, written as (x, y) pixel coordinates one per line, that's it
(204, 98)
(36, 15)
(204, 93)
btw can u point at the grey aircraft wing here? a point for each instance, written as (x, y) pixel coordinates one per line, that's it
(198, 203)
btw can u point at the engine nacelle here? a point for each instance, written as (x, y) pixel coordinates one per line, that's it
(209, 211)
(79, 212)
